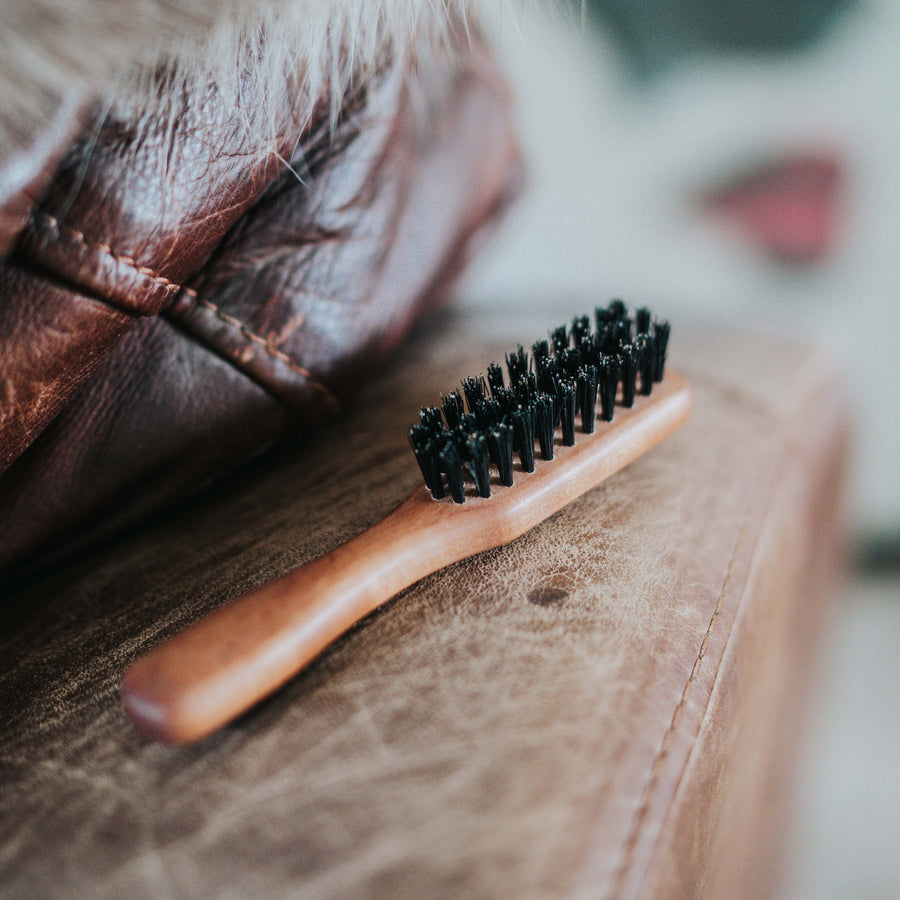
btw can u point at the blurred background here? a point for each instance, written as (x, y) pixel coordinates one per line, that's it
(737, 161)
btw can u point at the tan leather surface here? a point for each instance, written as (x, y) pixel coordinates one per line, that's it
(596, 710)
(280, 296)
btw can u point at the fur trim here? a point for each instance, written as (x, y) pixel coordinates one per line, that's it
(56, 52)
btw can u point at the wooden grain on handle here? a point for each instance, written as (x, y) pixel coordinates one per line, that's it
(205, 676)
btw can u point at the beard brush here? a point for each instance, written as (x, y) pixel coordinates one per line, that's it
(484, 486)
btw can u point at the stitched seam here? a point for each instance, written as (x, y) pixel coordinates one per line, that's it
(260, 341)
(250, 335)
(643, 808)
(79, 237)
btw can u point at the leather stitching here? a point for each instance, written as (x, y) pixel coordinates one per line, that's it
(250, 335)
(643, 808)
(266, 345)
(79, 237)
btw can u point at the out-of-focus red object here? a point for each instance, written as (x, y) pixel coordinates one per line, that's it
(788, 207)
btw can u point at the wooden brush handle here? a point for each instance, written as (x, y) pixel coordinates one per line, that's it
(202, 678)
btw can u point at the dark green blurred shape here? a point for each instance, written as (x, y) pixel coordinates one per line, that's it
(656, 35)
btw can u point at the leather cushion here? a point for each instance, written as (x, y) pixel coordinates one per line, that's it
(606, 707)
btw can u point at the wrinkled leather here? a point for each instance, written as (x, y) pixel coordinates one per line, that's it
(180, 299)
(604, 708)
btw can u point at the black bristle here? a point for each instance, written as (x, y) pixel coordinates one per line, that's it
(430, 417)
(451, 466)
(427, 457)
(495, 377)
(506, 400)
(544, 423)
(617, 308)
(559, 338)
(608, 338)
(587, 397)
(419, 434)
(646, 362)
(487, 414)
(517, 364)
(452, 405)
(477, 462)
(589, 349)
(569, 362)
(581, 328)
(468, 423)
(500, 444)
(576, 370)
(523, 435)
(526, 387)
(607, 384)
(474, 389)
(554, 396)
(642, 320)
(547, 373)
(629, 360)
(661, 339)
(566, 394)
(459, 436)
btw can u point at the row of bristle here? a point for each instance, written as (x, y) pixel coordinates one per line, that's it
(561, 378)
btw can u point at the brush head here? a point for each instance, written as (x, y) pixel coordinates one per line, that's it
(581, 371)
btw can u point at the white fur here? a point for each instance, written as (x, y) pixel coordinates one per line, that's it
(53, 51)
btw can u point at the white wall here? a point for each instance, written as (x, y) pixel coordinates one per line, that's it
(613, 172)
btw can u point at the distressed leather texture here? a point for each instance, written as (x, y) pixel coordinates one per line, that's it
(606, 707)
(189, 290)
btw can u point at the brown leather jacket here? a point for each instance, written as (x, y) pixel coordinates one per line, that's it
(189, 277)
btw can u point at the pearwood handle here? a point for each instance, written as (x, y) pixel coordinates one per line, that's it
(203, 677)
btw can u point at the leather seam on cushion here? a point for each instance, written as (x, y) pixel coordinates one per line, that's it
(101, 247)
(260, 341)
(173, 286)
(35, 269)
(643, 808)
